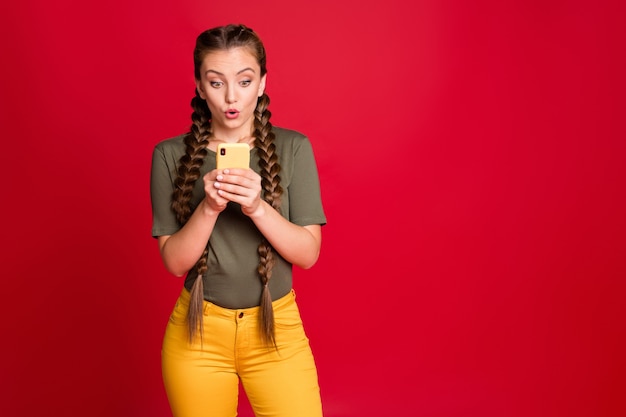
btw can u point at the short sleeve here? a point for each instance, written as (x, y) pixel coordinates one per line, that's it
(305, 201)
(161, 187)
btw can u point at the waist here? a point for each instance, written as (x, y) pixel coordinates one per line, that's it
(279, 304)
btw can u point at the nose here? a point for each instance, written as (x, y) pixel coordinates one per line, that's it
(231, 96)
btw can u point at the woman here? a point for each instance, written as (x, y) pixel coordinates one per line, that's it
(235, 234)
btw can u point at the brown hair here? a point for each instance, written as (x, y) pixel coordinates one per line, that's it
(197, 140)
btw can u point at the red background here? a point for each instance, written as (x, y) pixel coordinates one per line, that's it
(472, 168)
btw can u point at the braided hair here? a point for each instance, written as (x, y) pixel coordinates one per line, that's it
(196, 143)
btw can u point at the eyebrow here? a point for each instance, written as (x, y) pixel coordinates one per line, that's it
(238, 72)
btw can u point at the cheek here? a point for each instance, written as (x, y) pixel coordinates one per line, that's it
(211, 105)
(211, 98)
(251, 99)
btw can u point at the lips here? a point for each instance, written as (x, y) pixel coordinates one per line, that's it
(231, 113)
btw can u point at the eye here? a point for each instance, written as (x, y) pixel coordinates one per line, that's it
(245, 83)
(216, 84)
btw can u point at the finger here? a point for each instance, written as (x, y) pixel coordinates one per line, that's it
(243, 200)
(215, 200)
(226, 190)
(241, 173)
(211, 175)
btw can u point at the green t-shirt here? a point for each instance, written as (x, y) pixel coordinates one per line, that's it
(232, 280)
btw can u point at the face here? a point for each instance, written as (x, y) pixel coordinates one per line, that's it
(230, 83)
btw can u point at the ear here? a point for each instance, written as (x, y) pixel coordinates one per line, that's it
(262, 85)
(200, 90)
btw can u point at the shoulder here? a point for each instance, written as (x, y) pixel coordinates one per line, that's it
(289, 140)
(167, 153)
(287, 134)
(172, 146)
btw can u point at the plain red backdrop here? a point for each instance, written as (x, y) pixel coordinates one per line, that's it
(472, 165)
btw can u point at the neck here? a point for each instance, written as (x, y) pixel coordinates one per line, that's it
(245, 139)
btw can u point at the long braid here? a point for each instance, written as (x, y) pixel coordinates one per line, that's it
(272, 191)
(188, 173)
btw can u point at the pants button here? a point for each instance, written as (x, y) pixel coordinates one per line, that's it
(241, 314)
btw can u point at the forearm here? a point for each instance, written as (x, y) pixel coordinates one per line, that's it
(299, 245)
(181, 251)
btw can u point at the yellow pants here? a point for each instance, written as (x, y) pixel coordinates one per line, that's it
(202, 379)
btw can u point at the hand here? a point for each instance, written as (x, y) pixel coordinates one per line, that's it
(212, 197)
(242, 186)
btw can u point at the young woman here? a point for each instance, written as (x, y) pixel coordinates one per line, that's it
(235, 234)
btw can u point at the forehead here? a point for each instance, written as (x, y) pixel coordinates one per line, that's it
(230, 60)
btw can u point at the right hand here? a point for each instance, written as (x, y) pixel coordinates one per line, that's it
(211, 195)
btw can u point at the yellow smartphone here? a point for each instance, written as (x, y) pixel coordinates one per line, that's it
(233, 155)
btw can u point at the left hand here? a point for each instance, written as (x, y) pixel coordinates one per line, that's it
(242, 186)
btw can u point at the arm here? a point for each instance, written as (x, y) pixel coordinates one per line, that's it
(181, 250)
(299, 245)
